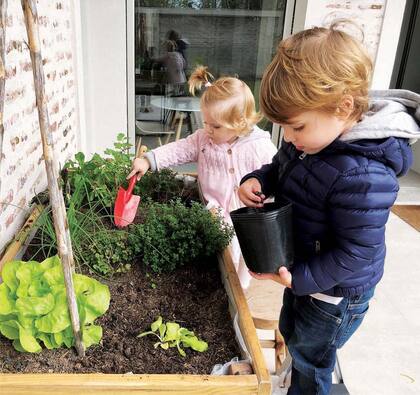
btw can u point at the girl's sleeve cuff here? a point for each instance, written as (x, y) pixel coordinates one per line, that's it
(150, 156)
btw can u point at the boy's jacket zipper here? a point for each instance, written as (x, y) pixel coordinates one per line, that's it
(290, 167)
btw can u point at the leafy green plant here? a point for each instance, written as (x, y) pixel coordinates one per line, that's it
(172, 234)
(98, 179)
(96, 182)
(160, 186)
(33, 306)
(172, 334)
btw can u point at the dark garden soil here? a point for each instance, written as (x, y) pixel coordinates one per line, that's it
(192, 296)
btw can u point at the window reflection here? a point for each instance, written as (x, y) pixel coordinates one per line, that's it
(231, 37)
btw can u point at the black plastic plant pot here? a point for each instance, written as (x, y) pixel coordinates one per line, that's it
(265, 236)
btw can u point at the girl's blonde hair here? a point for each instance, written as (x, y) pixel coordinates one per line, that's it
(230, 100)
(314, 70)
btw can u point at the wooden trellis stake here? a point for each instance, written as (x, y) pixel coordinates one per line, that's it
(3, 14)
(56, 196)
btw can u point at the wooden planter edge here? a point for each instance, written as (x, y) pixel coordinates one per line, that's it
(46, 383)
(16, 245)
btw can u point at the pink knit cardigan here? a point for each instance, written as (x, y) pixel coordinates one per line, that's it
(220, 167)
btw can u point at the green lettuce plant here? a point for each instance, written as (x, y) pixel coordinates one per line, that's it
(33, 306)
(172, 334)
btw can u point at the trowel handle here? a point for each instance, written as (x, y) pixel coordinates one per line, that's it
(141, 149)
(131, 185)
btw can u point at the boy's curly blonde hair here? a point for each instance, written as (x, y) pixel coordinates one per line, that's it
(314, 70)
(230, 100)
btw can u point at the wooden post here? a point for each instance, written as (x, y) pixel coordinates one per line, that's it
(56, 196)
(3, 14)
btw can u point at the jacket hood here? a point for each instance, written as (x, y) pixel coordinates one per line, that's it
(386, 130)
(392, 113)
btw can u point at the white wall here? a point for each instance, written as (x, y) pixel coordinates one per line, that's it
(131, 94)
(380, 21)
(103, 39)
(388, 43)
(367, 14)
(22, 170)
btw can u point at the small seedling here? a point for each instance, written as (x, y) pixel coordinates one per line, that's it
(172, 334)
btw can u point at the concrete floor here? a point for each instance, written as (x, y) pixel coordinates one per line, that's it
(383, 356)
(409, 189)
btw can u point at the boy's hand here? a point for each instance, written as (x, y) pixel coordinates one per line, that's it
(250, 193)
(139, 167)
(284, 277)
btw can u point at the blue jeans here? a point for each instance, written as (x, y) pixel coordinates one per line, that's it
(313, 331)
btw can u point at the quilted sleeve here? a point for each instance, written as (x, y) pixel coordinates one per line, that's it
(358, 207)
(267, 175)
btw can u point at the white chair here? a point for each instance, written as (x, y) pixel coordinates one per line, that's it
(145, 129)
(178, 118)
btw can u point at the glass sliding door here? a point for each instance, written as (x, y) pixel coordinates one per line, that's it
(231, 37)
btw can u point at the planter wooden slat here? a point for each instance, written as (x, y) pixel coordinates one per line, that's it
(258, 383)
(14, 247)
(246, 323)
(40, 384)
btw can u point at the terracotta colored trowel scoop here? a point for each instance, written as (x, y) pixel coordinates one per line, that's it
(126, 204)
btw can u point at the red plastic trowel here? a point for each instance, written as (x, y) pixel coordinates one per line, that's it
(126, 204)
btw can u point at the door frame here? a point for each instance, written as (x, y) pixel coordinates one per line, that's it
(294, 21)
(411, 12)
(130, 72)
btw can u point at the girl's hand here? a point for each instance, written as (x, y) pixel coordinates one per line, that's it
(139, 167)
(284, 277)
(250, 193)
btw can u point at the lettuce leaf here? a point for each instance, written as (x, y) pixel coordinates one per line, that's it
(33, 306)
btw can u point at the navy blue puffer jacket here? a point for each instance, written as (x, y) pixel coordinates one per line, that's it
(341, 201)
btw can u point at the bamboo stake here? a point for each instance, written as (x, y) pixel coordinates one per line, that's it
(56, 196)
(3, 14)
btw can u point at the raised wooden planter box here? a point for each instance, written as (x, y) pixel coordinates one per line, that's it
(257, 383)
